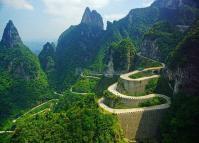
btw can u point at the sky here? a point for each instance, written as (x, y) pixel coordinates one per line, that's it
(47, 19)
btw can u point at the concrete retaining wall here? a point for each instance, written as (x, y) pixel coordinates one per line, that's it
(141, 126)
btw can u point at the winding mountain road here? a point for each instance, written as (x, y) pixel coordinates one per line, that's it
(126, 77)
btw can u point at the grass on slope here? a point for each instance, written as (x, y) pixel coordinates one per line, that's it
(153, 102)
(141, 74)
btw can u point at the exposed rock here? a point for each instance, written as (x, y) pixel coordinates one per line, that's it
(92, 18)
(149, 48)
(183, 67)
(11, 37)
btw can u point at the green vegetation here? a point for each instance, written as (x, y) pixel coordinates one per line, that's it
(115, 102)
(141, 74)
(181, 123)
(144, 62)
(153, 102)
(22, 82)
(123, 53)
(165, 36)
(47, 61)
(104, 83)
(5, 138)
(75, 118)
(47, 105)
(151, 86)
(110, 99)
(85, 85)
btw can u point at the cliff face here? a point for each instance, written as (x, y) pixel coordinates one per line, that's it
(183, 66)
(15, 57)
(77, 47)
(160, 40)
(11, 37)
(120, 57)
(47, 57)
(92, 18)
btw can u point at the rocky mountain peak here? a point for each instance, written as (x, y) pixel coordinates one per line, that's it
(92, 18)
(11, 36)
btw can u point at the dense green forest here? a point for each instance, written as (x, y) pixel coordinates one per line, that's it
(75, 118)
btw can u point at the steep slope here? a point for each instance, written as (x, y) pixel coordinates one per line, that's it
(47, 60)
(183, 63)
(181, 125)
(22, 82)
(160, 40)
(77, 47)
(120, 57)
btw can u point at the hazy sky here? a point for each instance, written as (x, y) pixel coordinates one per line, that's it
(47, 19)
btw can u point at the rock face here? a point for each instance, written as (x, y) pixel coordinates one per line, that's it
(11, 37)
(92, 18)
(183, 67)
(160, 40)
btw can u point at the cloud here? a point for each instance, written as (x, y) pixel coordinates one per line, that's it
(147, 2)
(19, 4)
(71, 11)
(112, 17)
(63, 7)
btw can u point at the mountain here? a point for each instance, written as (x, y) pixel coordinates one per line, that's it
(92, 18)
(160, 40)
(181, 124)
(120, 57)
(183, 64)
(22, 81)
(77, 47)
(11, 37)
(140, 21)
(47, 60)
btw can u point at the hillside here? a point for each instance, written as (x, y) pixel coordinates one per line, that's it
(77, 47)
(23, 83)
(181, 124)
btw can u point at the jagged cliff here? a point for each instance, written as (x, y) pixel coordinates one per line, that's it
(77, 47)
(11, 37)
(160, 40)
(183, 64)
(92, 18)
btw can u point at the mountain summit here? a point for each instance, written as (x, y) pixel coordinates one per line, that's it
(92, 18)
(11, 36)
